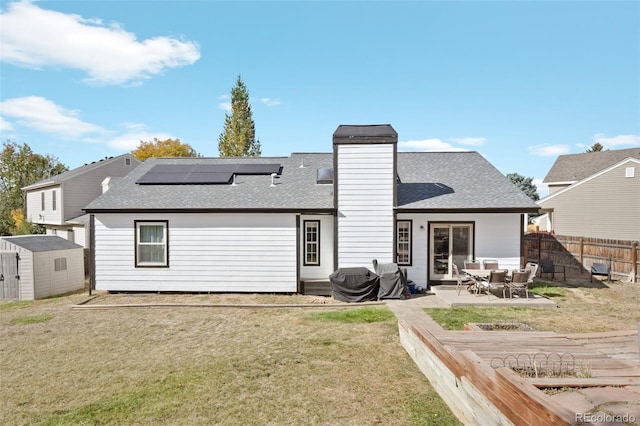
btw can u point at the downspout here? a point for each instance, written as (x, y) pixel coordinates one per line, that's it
(92, 253)
(299, 287)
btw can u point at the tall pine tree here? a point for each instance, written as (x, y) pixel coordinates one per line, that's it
(238, 139)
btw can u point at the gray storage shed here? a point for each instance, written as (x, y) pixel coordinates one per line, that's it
(39, 266)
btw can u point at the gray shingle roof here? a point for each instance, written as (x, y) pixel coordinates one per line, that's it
(295, 189)
(430, 180)
(575, 167)
(36, 243)
(455, 180)
(54, 180)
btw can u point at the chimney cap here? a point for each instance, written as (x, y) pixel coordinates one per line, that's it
(368, 133)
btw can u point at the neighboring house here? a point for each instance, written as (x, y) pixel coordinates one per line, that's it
(57, 202)
(571, 168)
(542, 223)
(39, 266)
(605, 204)
(277, 224)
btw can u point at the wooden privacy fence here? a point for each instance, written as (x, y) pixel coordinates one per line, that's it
(577, 254)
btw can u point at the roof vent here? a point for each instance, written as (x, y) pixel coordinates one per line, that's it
(324, 176)
(274, 176)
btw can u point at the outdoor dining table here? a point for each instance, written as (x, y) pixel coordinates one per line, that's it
(478, 275)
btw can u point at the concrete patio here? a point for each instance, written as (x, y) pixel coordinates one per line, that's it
(450, 297)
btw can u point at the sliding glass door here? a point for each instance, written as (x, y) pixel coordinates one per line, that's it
(449, 243)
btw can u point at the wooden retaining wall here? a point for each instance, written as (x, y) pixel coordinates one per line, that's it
(474, 391)
(577, 254)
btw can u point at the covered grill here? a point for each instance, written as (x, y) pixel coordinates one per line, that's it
(354, 285)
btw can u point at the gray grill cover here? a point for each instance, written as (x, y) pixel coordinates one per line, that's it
(393, 283)
(354, 285)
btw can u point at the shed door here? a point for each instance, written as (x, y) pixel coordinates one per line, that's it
(9, 278)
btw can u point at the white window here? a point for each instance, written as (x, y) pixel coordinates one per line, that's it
(127, 161)
(630, 172)
(311, 242)
(60, 264)
(404, 242)
(151, 244)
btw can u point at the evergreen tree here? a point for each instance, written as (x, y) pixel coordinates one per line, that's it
(525, 184)
(596, 147)
(238, 139)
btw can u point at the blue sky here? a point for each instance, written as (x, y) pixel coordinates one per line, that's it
(520, 82)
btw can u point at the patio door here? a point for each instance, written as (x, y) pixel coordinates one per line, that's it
(449, 243)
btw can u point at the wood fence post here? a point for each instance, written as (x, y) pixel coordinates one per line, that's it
(582, 254)
(634, 265)
(539, 247)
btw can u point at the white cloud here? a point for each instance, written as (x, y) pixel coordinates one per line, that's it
(543, 188)
(130, 141)
(38, 38)
(470, 141)
(549, 150)
(615, 141)
(5, 126)
(45, 116)
(270, 102)
(428, 145)
(225, 106)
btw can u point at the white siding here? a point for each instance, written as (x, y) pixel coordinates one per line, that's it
(326, 249)
(365, 204)
(48, 281)
(497, 236)
(86, 187)
(24, 269)
(27, 280)
(36, 214)
(207, 252)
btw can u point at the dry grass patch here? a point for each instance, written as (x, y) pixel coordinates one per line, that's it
(185, 366)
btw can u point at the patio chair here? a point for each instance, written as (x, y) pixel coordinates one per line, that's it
(519, 281)
(490, 264)
(532, 267)
(462, 280)
(497, 280)
(472, 264)
(547, 267)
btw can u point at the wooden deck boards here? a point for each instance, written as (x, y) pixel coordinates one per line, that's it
(592, 353)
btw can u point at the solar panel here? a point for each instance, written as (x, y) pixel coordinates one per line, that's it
(258, 169)
(196, 174)
(208, 177)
